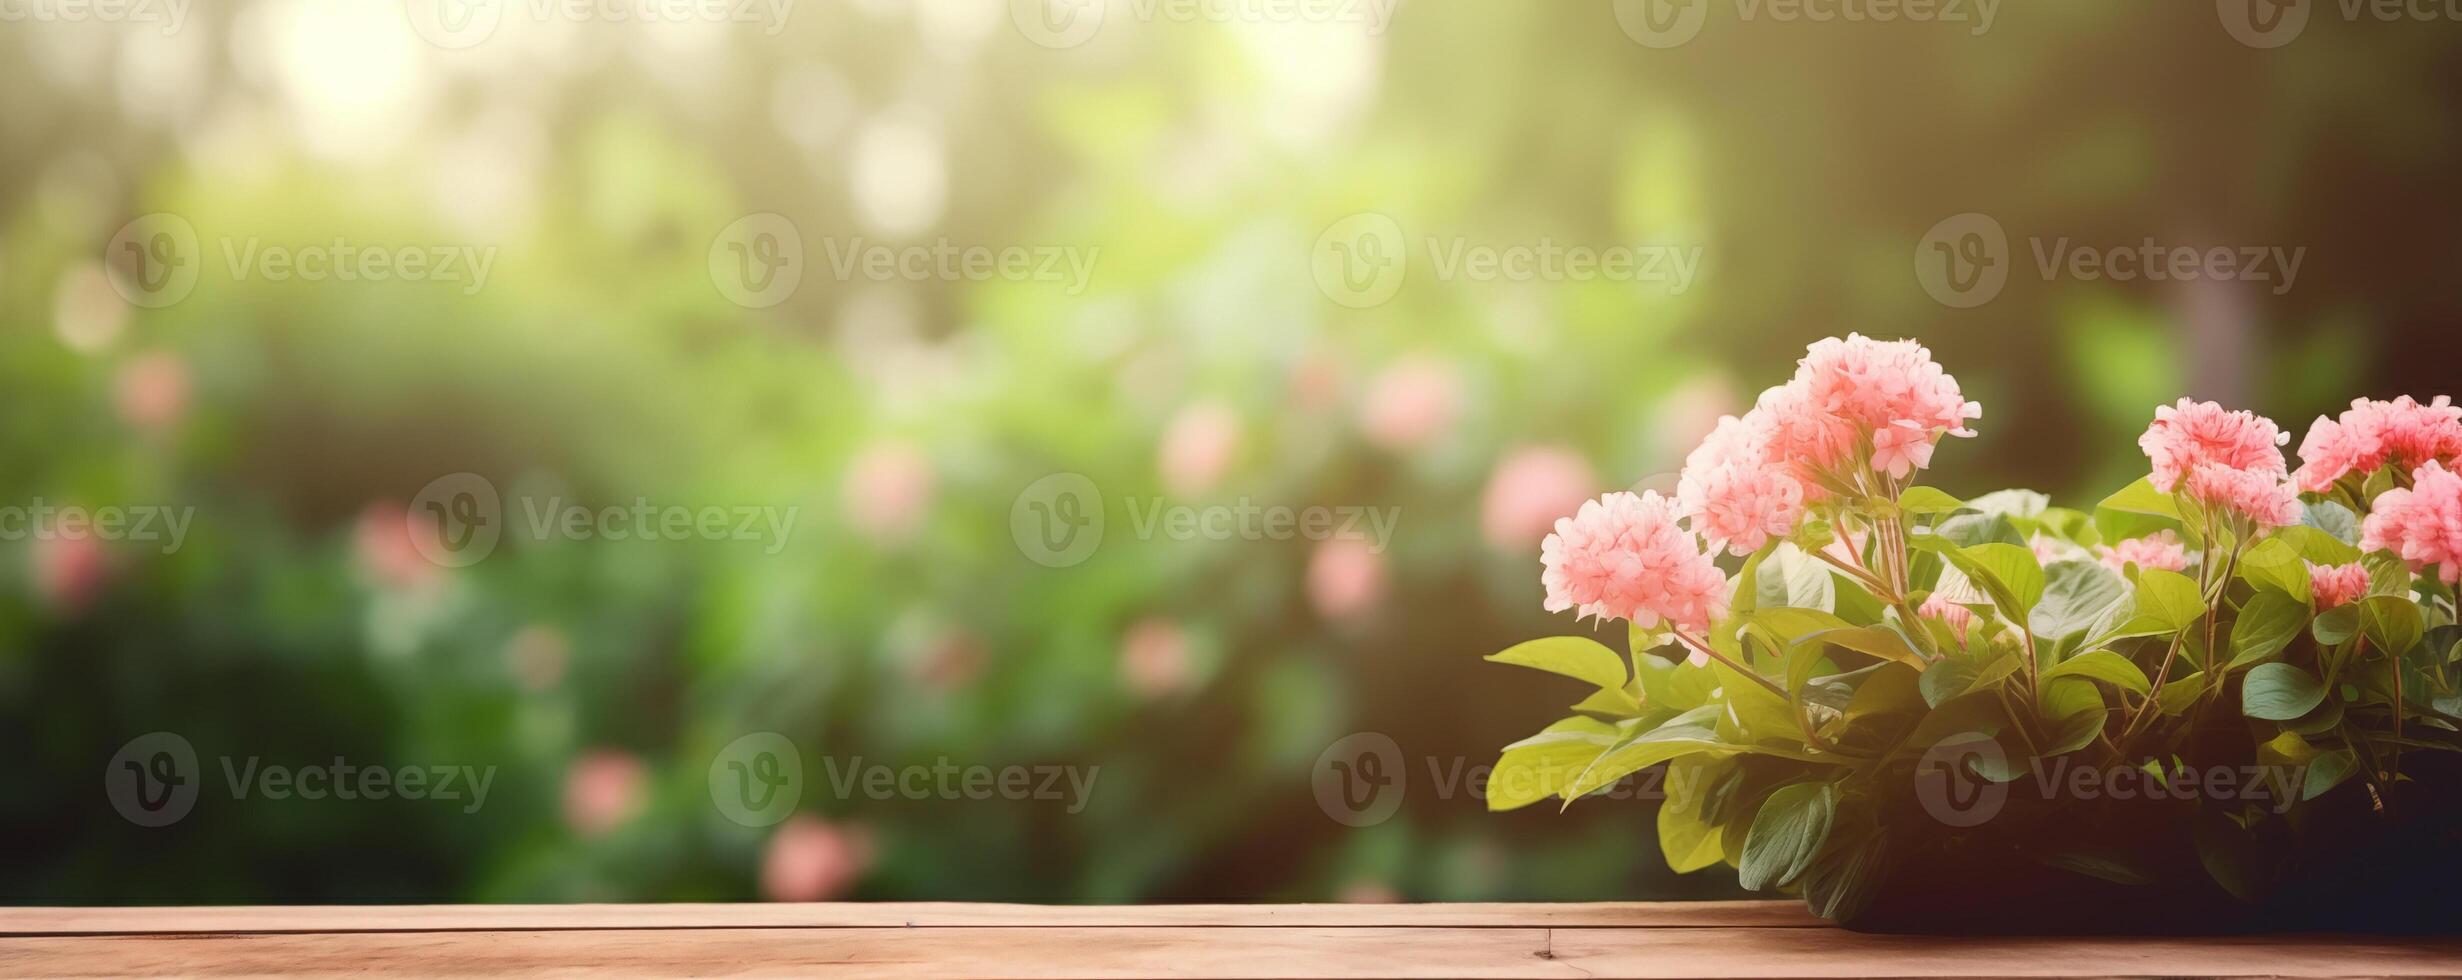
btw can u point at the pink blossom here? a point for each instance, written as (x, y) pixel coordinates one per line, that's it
(2266, 497)
(1530, 487)
(602, 790)
(2160, 550)
(1624, 557)
(151, 391)
(2049, 549)
(1892, 389)
(2191, 433)
(1690, 412)
(1958, 617)
(1154, 658)
(1809, 439)
(888, 489)
(1411, 403)
(1732, 493)
(2422, 524)
(811, 860)
(1198, 447)
(393, 544)
(69, 569)
(2335, 585)
(1346, 577)
(2373, 434)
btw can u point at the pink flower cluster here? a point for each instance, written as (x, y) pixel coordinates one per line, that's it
(2402, 433)
(1749, 481)
(1891, 389)
(2160, 550)
(2422, 524)
(2336, 585)
(1733, 492)
(1624, 557)
(2226, 459)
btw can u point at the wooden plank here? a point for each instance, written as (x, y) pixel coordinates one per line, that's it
(1174, 951)
(872, 953)
(364, 918)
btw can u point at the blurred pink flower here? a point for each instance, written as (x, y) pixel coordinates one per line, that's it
(538, 655)
(1198, 447)
(1691, 411)
(387, 543)
(2160, 550)
(2402, 433)
(1411, 403)
(1959, 618)
(2336, 585)
(2049, 549)
(1154, 658)
(1368, 891)
(1346, 577)
(811, 860)
(603, 789)
(1733, 494)
(69, 570)
(949, 661)
(1530, 488)
(1623, 557)
(1316, 380)
(888, 489)
(152, 391)
(2421, 524)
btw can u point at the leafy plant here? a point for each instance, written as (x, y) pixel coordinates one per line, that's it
(1881, 645)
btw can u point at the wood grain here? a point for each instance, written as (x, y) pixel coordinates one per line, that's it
(1631, 940)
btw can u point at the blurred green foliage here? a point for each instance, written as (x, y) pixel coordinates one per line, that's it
(1195, 164)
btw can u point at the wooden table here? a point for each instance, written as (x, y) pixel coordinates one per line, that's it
(1676, 939)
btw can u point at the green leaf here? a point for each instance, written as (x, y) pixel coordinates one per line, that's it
(2012, 503)
(1926, 500)
(2277, 563)
(1953, 676)
(2136, 509)
(1542, 765)
(2107, 867)
(1577, 657)
(2279, 692)
(1615, 702)
(2075, 713)
(2335, 626)
(2333, 519)
(2076, 594)
(2015, 567)
(1757, 713)
(2179, 694)
(2266, 625)
(1685, 835)
(1683, 734)
(1786, 834)
(2106, 666)
(2319, 546)
(2392, 622)
(2168, 601)
(2326, 771)
(1845, 877)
